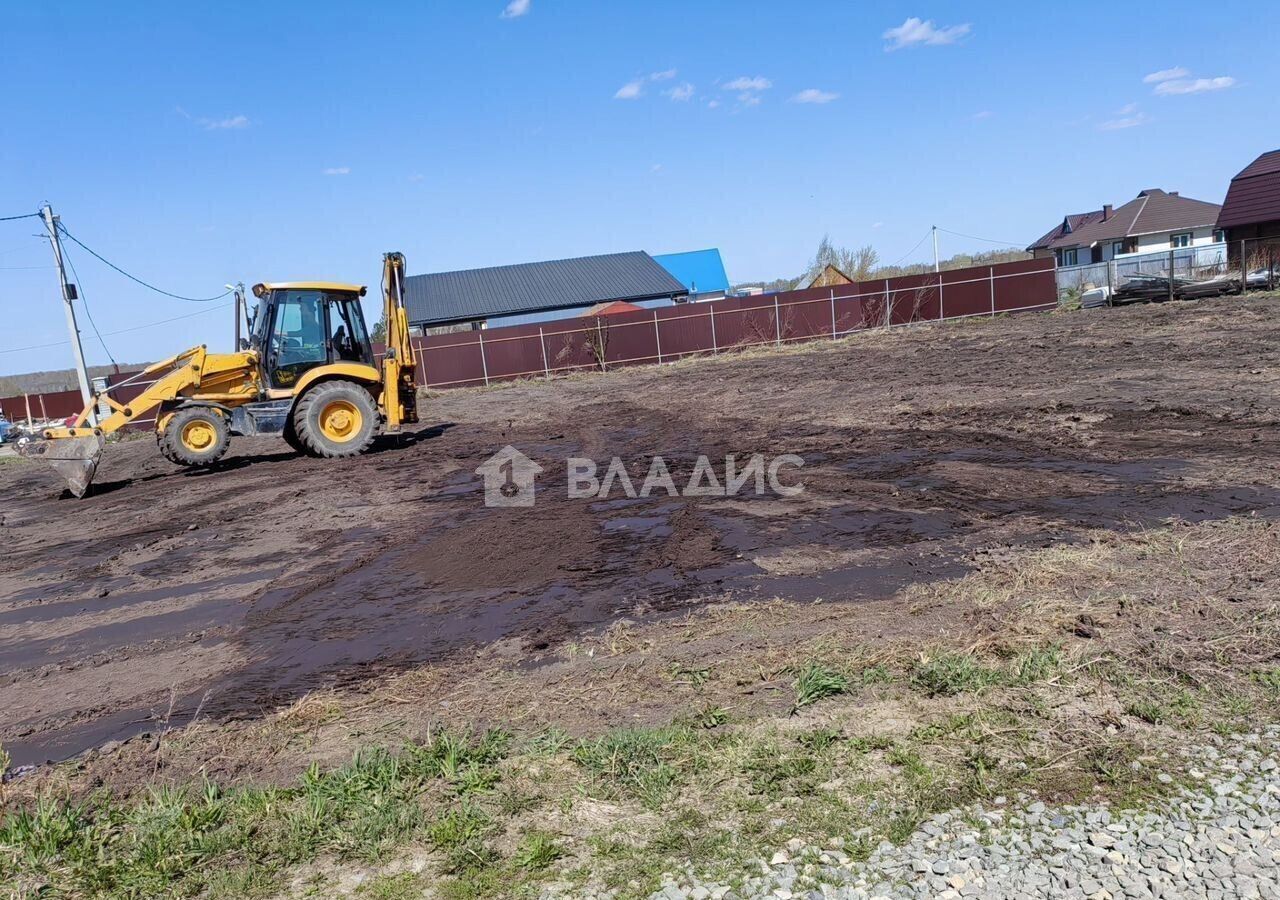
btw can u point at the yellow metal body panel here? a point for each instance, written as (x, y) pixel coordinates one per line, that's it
(347, 371)
(336, 287)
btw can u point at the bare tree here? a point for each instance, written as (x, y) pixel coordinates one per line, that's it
(596, 340)
(857, 263)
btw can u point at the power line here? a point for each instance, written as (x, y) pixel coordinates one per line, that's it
(913, 249)
(973, 237)
(124, 330)
(135, 278)
(85, 304)
(16, 218)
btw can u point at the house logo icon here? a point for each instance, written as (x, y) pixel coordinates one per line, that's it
(508, 478)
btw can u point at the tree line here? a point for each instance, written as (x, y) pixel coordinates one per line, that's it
(863, 264)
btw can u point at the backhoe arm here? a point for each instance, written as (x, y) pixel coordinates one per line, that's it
(399, 365)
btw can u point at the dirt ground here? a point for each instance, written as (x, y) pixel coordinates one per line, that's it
(383, 583)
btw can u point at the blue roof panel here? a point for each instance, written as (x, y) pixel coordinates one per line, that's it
(701, 271)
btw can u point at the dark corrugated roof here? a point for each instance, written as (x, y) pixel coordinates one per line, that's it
(1151, 211)
(471, 294)
(1254, 194)
(1068, 225)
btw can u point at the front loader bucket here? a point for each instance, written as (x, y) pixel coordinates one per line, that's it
(75, 459)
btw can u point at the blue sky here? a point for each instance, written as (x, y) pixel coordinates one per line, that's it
(279, 140)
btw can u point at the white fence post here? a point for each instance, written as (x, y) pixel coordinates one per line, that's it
(483, 364)
(833, 314)
(940, 306)
(657, 336)
(542, 344)
(715, 348)
(777, 322)
(991, 274)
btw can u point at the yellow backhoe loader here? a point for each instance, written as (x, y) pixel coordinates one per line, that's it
(307, 373)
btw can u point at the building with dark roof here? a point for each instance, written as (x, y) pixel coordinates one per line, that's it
(539, 291)
(1154, 220)
(1252, 207)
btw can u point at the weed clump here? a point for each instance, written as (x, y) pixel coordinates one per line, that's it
(817, 682)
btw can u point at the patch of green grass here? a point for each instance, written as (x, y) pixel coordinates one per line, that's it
(404, 886)
(187, 842)
(948, 674)
(537, 851)
(711, 717)
(696, 676)
(635, 762)
(875, 675)
(1036, 665)
(548, 742)
(817, 682)
(1268, 680)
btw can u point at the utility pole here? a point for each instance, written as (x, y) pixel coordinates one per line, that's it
(935, 248)
(68, 295)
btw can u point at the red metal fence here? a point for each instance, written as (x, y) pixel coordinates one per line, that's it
(689, 329)
(668, 333)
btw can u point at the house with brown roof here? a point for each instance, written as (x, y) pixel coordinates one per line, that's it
(827, 276)
(1154, 220)
(1252, 207)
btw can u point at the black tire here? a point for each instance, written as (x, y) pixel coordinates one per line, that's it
(195, 436)
(291, 438)
(335, 419)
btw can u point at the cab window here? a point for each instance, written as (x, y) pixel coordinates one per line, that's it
(297, 340)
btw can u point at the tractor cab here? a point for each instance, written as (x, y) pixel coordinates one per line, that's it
(300, 326)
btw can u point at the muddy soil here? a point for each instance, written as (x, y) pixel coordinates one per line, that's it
(232, 591)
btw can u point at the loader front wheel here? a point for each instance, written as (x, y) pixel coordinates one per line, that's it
(197, 436)
(290, 436)
(335, 419)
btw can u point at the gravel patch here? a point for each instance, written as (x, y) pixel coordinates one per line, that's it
(1217, 837)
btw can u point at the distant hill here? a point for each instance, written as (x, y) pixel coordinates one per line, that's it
(59, 380)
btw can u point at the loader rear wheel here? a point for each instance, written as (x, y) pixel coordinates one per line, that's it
(197, 436)
(335, 419)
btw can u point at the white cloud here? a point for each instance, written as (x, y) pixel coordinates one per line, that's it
(656, 167)
(680, 93)
(338, 170)
(1127, 109)
(229, 122)
(1166, 75)
(877, 224)
(813, 95)
(417, 177)
(748, 99)
(516, 8)
(1124, 121)
(982, 114)
(214, 124)
(630, 91)
(743, 83)
(664, 75)
(914, 33)
(1194, 85)
(712, 104)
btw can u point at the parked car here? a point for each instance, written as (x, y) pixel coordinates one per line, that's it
(1156, 287)
(1262, 278)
